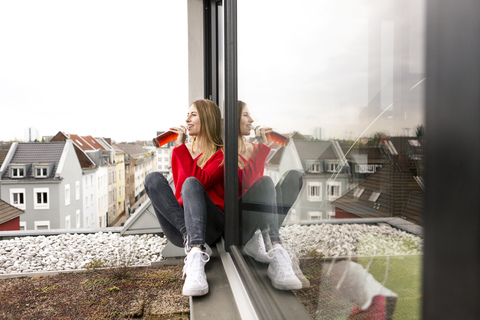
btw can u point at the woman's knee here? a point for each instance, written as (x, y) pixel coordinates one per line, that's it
(266, 182)
(153, 179)
(191, 184)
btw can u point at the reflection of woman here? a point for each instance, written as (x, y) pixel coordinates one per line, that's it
(259, 206)
(193, 216)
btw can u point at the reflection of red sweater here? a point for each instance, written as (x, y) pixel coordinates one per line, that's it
(253, 168)
(211, 176)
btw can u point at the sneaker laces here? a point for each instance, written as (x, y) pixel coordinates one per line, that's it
(191, 267)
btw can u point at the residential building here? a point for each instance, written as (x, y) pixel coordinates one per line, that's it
(326, 175)
(129, 183)
(9, 217)
(92, 195)
(164, 157)
(395, 190)
(141, 161)
(120, 185)
(43, 179)
(363, 160)
(100, 151)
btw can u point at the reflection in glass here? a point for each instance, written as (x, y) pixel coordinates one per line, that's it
(263, 209)
(344, 81)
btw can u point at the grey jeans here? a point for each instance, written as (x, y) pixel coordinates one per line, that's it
(199, 218)
(264, 206)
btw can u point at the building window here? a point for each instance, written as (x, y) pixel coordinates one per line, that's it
(367, 168)
(332, 167)
(41, 172)
(23, 225)
(67, 194)
(315, 167)
(77, 190)
(315, 191)
(17, 172)
(67, 222)
(315, 215)
(374, 196)
(358, 192)
(17, 198)
(41, 198)
(42, 225)
(333, 190)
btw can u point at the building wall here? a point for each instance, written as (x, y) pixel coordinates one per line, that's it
(102, 197)
(120, 173)
(11, 225)
(89, 186)
(112, 193)
(70, 193)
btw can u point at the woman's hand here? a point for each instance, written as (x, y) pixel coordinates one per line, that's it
(260, 134)
(182, 135)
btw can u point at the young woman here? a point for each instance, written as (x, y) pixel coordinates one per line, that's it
(193, 216)
(263, 206)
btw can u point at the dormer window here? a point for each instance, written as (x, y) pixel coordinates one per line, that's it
(41, 172)
(17, 172)
(332, 167)
(315, 167)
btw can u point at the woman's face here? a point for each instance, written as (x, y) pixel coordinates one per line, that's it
(193, 121)
(246, 122)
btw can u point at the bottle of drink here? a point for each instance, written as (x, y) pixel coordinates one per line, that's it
(164, 138)
(277, 138)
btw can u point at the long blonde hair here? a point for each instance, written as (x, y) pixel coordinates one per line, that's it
(240, 106)
(210, 137)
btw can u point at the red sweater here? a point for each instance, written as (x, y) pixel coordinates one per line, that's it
(253, 168)
(211, 176)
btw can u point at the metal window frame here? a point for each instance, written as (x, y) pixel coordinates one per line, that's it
(451, 271)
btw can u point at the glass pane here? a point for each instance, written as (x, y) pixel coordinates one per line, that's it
(342, 82)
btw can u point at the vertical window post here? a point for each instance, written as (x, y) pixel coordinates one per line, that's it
(232, 219)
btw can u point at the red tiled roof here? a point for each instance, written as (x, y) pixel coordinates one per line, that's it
(80, 142)
(93, 142)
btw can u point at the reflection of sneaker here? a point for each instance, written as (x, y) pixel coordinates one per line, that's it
(196, 281)
(280, 270)
(255, 248)
(298, 272)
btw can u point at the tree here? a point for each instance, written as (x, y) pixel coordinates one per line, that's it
(420, 131)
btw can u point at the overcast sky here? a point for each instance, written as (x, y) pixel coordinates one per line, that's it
(115, 69)
(118, 69)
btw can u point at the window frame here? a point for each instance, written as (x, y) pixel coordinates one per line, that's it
(314, 185)
(41, 205)
(451, 106)
(43, 171)
(18, 191)
(15, 171)
(67, 195)
(40, 223)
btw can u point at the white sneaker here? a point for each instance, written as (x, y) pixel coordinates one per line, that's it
(196, 281)
(298, 272)
(255, 248)
(280, 270)
(187, 248)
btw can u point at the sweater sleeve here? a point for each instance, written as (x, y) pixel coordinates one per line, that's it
(212, 172)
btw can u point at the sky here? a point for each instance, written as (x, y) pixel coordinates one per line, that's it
(119, 69)
(113, 69)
